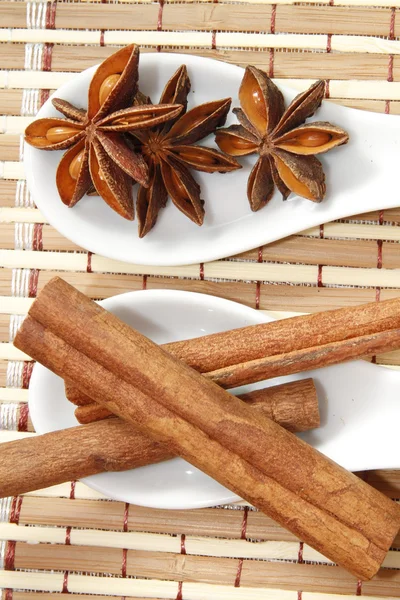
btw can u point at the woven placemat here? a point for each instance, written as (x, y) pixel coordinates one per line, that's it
(69, 539)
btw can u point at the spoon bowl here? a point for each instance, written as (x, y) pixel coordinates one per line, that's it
(360, 410)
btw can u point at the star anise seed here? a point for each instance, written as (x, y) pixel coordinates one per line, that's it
(170, 152)
(286, 146)
(98, 154)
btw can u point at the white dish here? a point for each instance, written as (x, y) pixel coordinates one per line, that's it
(362, 176)
(358, 403)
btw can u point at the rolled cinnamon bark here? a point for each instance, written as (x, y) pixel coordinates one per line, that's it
(219, 350)
(41, 461)
(321, 503)
(242, 356)
(114, 445)
(293, 405)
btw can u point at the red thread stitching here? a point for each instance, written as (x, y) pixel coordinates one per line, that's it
(180, 583)
(327, 88)
(124, 561)
(102, 31)
(8, 595)
(202, 271)
(359, 588)
(258, 283)
(319, 276)
(244, 523)
(26, 374)
(126, 517)
(379, 244)
(329, 43)
(89, 262)
(68, 540)
(379, 259)
(37, 242)
(10, 556)
(65, 584)
(23, 418)
(159, 19)
(144, 282)
(272, 50)
(51, 15)
(242, 537)
(390, 60)
(271, 62)
(258, 294)
(160, 15)
(392, 23)
(47, 56)
(43, 96)
(238, 573)
(68, 536)
(390, 68)
(72, 492)
(15, 509)
(179, 592)
(300, 554)
(273, 18)
(33, 283)
(124, 550)
(183, 540)
(214, 34)
(15, 513)
(50, 23)
(300, 561)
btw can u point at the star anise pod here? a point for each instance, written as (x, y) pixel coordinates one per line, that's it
(285, 144)
(170, 152)
(98, 154)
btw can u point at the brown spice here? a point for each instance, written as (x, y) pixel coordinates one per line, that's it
(286, 146)
(318, 501)
(293, 405)
(114, 445)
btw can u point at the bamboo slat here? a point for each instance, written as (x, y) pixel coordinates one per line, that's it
(206, 522)
(201, 569)
(228, 270)
(273, 297)
(295, 249)
(347, 230)
(202, 16)
(344, 65)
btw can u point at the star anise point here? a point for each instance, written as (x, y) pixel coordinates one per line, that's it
(285, 143)
(95, 140)
(171, 151)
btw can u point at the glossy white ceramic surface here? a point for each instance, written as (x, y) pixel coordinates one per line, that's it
(361, 177)
(358, 401)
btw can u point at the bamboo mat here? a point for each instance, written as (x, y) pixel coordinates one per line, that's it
(69, 539)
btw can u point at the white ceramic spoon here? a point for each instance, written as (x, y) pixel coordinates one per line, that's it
(359, 402)
(362, 176)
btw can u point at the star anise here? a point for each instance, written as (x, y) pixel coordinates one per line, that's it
(170, 152)
(285, 144)
(98, 154)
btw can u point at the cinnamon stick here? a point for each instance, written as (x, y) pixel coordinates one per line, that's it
(219, 350)
(114, 445)
(258, 352)
(45, 460)
(293, 405)
(318, 501)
